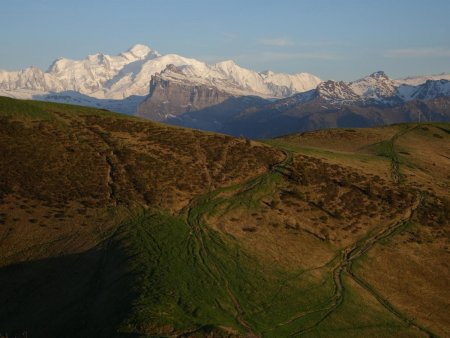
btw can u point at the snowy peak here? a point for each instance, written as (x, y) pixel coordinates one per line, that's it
(432, 89)
(297, 83)
(55, 65)
(226, 65)
(336, 91)
(268, 83)
(30, 78)
(378, 89)
(418, 80)
(139, 51)
(129, 73)
(379, 75)
(229, 77)
(376, 86)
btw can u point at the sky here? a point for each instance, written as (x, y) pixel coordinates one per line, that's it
(333, 39)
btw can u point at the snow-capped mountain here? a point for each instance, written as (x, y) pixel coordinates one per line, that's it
(179, 90)
(264, 84)
(100, 75)
(142, 81)
(30, 78)
(229, 77)
(429, 90)
(376, 86)
(105, 77)
(373, 100)
(336, 90)
(97, 75)
(432, 89)
(376, 89)
(418, 80)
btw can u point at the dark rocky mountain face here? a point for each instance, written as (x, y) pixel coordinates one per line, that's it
(217, 117)
(168, 99)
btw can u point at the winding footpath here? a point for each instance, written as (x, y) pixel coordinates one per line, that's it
(195, 219)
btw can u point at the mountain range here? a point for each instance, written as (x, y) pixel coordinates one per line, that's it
(227, 98)
(371, 101)
(103, 80)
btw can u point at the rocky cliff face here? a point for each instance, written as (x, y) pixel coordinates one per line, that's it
(169, 98)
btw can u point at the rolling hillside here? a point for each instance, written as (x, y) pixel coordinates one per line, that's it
(116, 226)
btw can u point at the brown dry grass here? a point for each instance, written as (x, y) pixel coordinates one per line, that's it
(411, 269)
(70, 175)
(60, 177)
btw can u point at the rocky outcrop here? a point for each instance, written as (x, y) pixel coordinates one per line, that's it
(169, 97)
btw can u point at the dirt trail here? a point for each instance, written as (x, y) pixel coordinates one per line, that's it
(350, 255)
(195, 220)
(396, 175)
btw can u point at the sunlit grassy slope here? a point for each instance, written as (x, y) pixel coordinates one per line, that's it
(116, 226)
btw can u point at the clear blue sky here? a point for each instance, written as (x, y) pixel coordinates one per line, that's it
(333, 39)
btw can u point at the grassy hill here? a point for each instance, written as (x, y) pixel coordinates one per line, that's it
(116, 226)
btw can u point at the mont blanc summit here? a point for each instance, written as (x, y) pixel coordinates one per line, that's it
(117, 77)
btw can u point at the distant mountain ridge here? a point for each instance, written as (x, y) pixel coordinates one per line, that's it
(98, 75)
(105, 77)
(378, 88)
(225, 97)
(371, 101)
(178, 90)
(417, 80)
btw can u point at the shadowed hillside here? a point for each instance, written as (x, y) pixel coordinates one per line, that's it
(116, 226)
